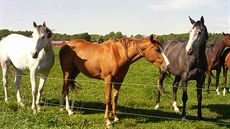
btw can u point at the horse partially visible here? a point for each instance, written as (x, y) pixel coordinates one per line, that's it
(34, 54)
(187, 62)
(213, 55)
(108, 61)
(226, 64)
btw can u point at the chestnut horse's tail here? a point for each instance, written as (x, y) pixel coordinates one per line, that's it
(66, 57)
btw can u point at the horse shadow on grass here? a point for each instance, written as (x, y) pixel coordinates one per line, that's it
(150, 115)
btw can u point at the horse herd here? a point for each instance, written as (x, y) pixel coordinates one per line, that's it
(110, 61)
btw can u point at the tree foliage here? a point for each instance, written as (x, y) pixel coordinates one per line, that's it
(212, 37)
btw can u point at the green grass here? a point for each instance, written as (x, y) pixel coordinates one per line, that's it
(135, 105)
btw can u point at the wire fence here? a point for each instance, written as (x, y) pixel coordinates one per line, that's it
(46, 103)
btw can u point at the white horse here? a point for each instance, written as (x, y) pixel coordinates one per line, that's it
(34, 54)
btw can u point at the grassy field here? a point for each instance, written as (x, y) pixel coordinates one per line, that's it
(135, 105)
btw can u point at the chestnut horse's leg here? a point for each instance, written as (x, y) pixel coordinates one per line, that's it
(175, 88)
(160, 87)
(65, 92)
(117, 86)
(108, 87)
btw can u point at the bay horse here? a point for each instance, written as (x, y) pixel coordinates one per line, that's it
(213, 55)
(226, 64)
(108, 61)
(187, 62)
(34, 54)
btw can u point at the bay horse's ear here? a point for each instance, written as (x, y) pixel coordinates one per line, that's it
(191, 20)
(202, 19)
(34, 24)
(44, 24)
(223, 33)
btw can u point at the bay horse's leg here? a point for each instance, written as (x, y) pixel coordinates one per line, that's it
(40, 88)
(160, 88)
(33, 88)
(5, 71)
(108, 87)
(175, 88)
(17, 84)
(115, 98)
(218, 70)
(184, 98)
(225, 70)
(209, 80)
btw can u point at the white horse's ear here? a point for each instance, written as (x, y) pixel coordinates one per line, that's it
(35, 25)
(191, 20)
(44, 24)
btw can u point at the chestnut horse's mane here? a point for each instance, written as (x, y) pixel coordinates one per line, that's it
(126, 42)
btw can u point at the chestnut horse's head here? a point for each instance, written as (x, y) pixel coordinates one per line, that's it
(155, 54)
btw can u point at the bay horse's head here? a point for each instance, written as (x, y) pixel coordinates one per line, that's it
(226, 39)
(41, 36)
(198, 35)
(155, 54)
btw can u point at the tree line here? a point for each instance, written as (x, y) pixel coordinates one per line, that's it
(212, 37)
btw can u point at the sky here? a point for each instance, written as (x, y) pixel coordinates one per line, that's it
(130, 17)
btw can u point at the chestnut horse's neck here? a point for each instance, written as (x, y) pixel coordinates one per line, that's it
(134, 49)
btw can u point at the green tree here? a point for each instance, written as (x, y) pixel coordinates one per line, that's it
(4, 33)
(117, 35)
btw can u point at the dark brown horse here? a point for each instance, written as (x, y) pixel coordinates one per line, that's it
(226, 65)
(187, 62)
(213, 55)
(108, 61)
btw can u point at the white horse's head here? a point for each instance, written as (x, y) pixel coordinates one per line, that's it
(197, 36)
(41, 36)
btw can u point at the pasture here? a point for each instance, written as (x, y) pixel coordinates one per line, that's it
(135, 105)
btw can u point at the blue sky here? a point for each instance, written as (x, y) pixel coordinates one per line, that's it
(131, 17)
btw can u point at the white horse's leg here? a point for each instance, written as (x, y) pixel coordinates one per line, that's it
(40, 88)
(5, 68)
(33, 88)
(17, 83)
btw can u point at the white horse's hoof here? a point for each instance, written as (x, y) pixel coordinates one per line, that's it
(70, 112)
(21, 104)
(157, 106)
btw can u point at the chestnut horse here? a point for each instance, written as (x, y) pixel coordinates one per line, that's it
(108, 61)
(213, 55)
(226, 64)
(187, 62)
